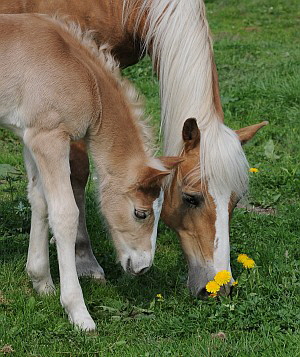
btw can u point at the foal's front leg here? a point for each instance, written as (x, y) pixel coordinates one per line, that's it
(50, 150)
(86, 263)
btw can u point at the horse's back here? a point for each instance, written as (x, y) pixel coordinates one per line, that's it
(104, 17)
(29, 33)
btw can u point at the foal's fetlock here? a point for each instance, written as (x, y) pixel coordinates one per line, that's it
(42, 284)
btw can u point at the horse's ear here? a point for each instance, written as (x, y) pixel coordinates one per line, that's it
(149, 176)
(170, 162)
(190, 134)
(247, 133)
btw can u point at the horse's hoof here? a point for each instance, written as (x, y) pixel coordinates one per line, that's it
(90, 268)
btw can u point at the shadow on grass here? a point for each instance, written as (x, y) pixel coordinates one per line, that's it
(167, 276)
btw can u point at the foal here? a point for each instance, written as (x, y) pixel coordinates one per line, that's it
(56, 86)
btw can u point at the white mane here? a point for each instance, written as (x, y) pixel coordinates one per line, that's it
(179, 36)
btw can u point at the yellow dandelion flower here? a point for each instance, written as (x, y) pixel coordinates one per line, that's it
(212, 287)
(242, 257)
(222, 277)
(235, 283)
(249, 263)
(253, 169)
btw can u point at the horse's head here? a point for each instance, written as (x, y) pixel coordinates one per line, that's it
(132, 209)
(199, 216)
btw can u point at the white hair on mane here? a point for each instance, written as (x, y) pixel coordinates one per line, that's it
(179, 36)
(104, 55)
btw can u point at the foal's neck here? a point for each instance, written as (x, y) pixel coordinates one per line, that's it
(117, 136)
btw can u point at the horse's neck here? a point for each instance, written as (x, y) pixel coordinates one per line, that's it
(216, 91)
(177, 36)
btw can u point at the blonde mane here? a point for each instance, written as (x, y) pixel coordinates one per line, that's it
(104, 56)
(181, 48)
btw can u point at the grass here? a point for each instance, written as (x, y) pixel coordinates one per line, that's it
(257, 50)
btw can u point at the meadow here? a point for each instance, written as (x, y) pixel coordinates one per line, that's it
(257, 51)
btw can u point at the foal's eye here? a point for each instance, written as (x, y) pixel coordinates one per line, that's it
(140, 214)
(192, 200)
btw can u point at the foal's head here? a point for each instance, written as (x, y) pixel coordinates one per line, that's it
(132, 209)
(200, 218)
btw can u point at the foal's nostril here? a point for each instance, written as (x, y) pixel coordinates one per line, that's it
(142, 271)
(128, 265)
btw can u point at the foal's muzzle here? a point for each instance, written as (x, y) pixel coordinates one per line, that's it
(136, 263)
(135, 270)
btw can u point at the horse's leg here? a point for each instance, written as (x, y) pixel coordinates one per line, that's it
(86, 263)
(50, 150)
(37, 266)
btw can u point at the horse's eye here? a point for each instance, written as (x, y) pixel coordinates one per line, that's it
(192, 200)
(140, 214)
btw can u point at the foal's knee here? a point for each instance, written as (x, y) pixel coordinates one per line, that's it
(64, 220)
(37, 198)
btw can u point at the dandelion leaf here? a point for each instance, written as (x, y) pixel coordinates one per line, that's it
(270, 150)
(7, 170)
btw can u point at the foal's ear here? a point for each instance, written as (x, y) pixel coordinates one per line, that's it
(149, 176)
(247, 133)
(190, 134)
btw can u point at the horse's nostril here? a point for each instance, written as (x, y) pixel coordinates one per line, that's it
(225, 290)
(203, 294)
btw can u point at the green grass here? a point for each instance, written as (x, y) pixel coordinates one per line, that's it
(257, 53)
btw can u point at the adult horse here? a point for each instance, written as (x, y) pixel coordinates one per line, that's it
(202, 193)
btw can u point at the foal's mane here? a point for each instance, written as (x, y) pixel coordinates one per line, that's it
(104, 57)
(181, 48)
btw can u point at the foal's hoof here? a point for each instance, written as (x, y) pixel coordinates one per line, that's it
(85, 323)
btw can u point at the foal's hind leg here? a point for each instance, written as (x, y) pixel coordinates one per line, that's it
(86, 263)
(50, 150)
(37, 265)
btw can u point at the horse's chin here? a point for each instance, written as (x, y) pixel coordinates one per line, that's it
(198, 277)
